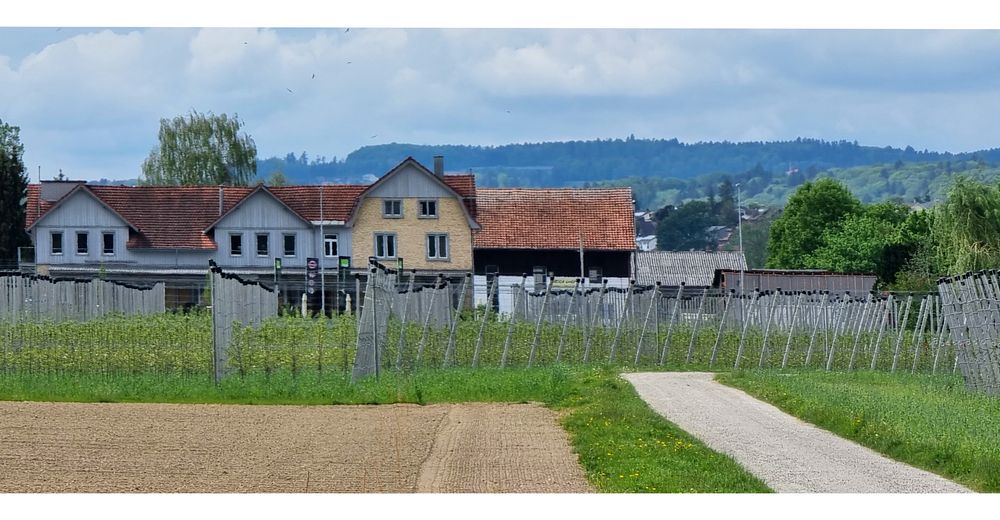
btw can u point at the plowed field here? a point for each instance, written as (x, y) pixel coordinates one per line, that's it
(164, 448)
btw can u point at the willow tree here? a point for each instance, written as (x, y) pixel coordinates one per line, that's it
(201, 149)
(966, 228)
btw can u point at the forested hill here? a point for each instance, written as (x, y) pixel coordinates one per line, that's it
(575, 162)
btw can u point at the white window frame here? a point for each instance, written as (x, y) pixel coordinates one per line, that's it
(62, 243)
(284, 245)
(267, 244)
(231, 237)
(104, 250)
(437, 237)
(385, 207)
(422, 204)
(384, 237)
(86, 243)
(334, 239)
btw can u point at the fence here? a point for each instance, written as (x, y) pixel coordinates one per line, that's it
(410, 323)
(413, 326)
(972, 311)
(34, 298)
(235, 303)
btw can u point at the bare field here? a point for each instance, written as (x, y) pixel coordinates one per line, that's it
(166, 448)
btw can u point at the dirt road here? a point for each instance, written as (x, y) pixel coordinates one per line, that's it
(163, 448)
(785, 452)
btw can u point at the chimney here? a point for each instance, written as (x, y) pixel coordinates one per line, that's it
(439, 165)
(220, 199)
(54, 190)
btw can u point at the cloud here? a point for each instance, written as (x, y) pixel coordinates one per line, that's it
(92, 101)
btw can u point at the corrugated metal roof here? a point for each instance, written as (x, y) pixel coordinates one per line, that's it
(694, 268)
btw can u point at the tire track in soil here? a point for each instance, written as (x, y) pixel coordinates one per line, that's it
(505, 448)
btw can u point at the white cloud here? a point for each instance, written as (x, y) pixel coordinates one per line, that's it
(92, 101)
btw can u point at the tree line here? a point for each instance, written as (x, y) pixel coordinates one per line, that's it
(825, 226)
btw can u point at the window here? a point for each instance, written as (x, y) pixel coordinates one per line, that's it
(108, 239)
(428, 209)
(385, 245)
(236, 244)
(437, 247)
(290, 244)
(81, 242)
(262, 244)
(57, 242)
(330, 246)
(392, 208)
(595, 275)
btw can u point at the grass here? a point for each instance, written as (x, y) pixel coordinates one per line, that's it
(622, 444)
(927, 421)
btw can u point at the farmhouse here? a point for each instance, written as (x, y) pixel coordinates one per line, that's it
(411, 218)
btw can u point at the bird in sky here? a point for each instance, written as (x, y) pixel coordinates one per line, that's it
(314, 76)
(374, 136)
(347, 30)
(289, 90)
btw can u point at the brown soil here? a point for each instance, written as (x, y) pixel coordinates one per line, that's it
(164, 448)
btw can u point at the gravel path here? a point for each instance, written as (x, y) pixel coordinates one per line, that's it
(785, 452)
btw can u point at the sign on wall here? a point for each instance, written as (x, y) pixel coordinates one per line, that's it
(312, 275)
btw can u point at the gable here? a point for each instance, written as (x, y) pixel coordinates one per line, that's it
(261, 210)
(410, 182)
(81, 209)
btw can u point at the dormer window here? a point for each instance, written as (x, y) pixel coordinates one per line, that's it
(392, 208)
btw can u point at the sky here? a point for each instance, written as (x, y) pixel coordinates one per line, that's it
(89, 100)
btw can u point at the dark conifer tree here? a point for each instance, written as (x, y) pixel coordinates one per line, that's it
(13, 194)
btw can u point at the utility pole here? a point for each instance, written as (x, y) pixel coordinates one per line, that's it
(739, 226)
(322, 256)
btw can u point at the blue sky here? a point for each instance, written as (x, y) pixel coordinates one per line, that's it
(89, 101)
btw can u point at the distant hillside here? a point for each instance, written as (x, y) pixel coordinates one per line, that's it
(575, 162)
(921, 183)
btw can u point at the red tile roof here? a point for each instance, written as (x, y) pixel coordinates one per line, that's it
(34, 211)
(174, 217)
(465, 185)
(528, 218)
(338, 200)
(170, 217)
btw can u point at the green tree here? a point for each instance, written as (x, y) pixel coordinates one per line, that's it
(856, 245)
(965, 230)
(725, 210)
(683, 228)
(13, 193)
(813, 209)
(201, 149)
(277, 178)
